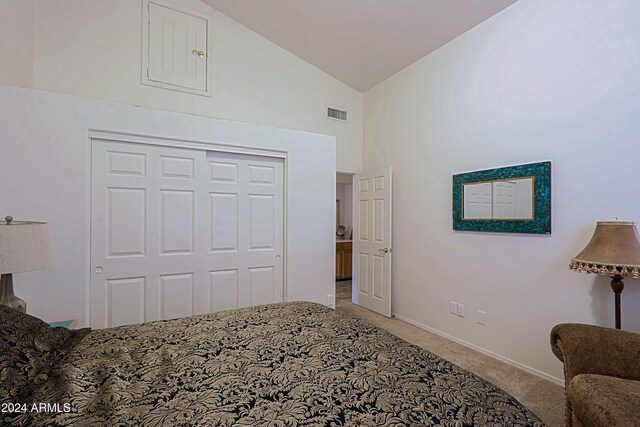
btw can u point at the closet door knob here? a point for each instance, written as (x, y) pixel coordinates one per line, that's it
(198, 52)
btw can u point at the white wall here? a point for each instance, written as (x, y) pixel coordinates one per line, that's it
(92, 48)
(348, 205)
(542, 80)
(344, 193)
(46, 176)
(16, 42)
(342, 202)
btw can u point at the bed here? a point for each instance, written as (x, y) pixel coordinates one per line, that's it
(288, 364)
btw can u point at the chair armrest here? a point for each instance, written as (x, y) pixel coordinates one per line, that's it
(589, 349)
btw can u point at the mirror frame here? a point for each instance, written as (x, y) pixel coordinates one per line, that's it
(541, 222)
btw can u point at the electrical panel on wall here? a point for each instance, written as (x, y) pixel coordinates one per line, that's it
(175, 48)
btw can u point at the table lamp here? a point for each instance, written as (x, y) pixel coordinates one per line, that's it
(24, 246)
(614, 250)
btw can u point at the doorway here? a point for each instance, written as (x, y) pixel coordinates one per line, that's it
(344, 236)
(368, 208)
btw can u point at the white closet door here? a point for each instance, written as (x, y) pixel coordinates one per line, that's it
(246, 210)
(156, 229)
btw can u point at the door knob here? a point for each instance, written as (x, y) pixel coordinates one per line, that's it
(198, 52)
(98, 269)
(385, 250)
(278, 257)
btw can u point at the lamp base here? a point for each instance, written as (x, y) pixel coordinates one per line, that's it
(617, 285)
(6, 294)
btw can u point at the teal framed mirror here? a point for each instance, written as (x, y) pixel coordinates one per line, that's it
(514, 199)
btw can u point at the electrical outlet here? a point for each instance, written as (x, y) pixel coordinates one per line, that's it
(453, 308)
(461, 310)
(330, 300)
(482, 317)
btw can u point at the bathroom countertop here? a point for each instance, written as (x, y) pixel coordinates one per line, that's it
(344, 241)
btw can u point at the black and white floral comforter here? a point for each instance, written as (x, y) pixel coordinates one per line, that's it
(290, 364)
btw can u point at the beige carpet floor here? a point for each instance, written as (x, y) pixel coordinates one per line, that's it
(343, 293)
(543, 397)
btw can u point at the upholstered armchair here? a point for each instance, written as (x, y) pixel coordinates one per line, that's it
(602, 374)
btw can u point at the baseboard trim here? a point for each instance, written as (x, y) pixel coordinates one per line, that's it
(519, 365)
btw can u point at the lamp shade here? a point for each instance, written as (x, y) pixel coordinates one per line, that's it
(24, 246)
(613, 250)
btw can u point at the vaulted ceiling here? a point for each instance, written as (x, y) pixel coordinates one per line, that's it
(360, 42)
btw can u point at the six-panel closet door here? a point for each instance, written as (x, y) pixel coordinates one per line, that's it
(176, 232)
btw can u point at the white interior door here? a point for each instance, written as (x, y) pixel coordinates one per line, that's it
(176, 232)
(372, 240)
(177, 48)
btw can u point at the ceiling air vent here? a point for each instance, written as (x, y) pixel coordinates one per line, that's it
(334, 113)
